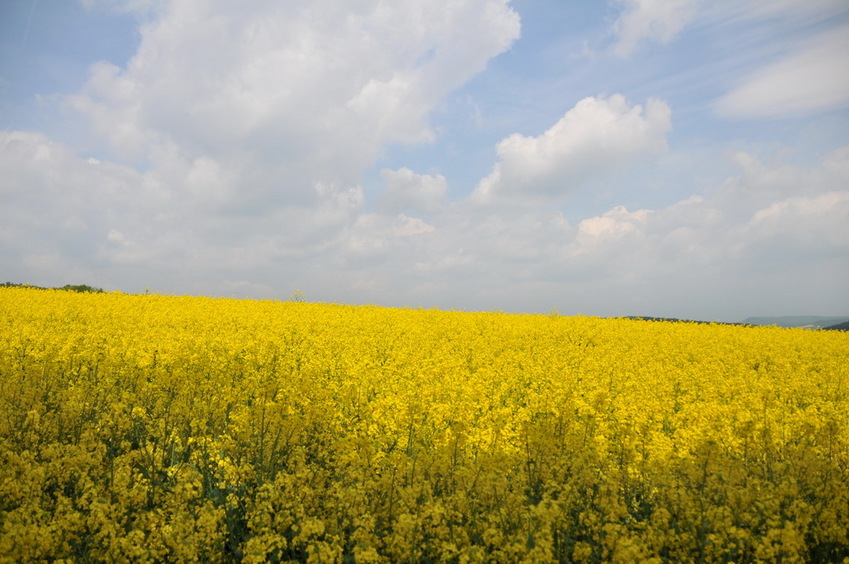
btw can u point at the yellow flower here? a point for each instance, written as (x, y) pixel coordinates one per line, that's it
(156, 428)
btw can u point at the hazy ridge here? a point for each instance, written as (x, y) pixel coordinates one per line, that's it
(808, 321)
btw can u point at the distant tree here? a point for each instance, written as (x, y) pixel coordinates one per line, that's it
(81, 288)
(68, 287)
(19, 285)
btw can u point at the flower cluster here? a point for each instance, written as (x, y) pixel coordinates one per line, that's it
(147, 428)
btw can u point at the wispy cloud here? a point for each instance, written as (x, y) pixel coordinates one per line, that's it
(650, 21)
(811, 77)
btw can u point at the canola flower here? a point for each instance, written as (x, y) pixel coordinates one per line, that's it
(147, 428)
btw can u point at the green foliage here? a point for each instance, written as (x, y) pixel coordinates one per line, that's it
(84, 288)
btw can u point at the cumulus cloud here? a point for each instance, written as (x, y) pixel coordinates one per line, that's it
(644, 21)
(237, 137)
(818, 224)
(811, 78)
(49, 194)
(228, 156)
(407, 191)
(69, 216)
(792, 211)
(611, 227)
(287, 89)
(763, 239)
(764, 236)
(376, 236)
(597, 135)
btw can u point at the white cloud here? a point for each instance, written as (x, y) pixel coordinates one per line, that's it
(322, 85)
(407, 190)
(596, 136)
(612, 226)
(812, 78)
(809, 224)
(107, 220)
(765, 240)
(650, 21)
(244, 108)
(758, 240)
(58, 208)
(243, 132)
(232, 151)
(376, 236)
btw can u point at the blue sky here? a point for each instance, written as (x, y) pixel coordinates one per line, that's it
(637, 157)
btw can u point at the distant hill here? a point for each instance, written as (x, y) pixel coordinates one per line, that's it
(806, 321)
(677, 320)
(790, 321)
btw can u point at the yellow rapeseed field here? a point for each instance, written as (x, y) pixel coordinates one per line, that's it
(147, 428)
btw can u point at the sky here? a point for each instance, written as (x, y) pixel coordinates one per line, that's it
(678, 158)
